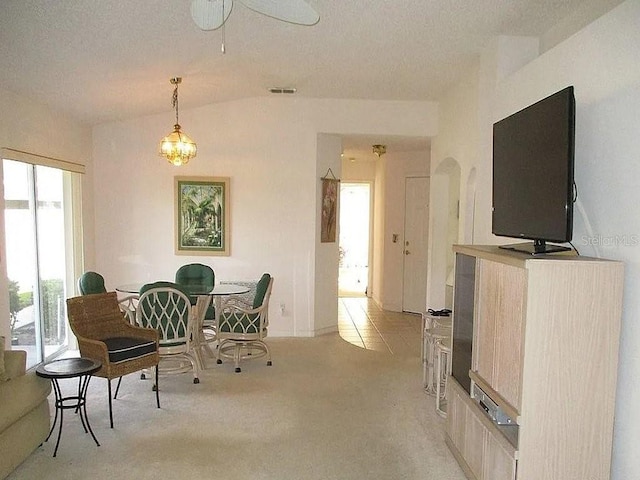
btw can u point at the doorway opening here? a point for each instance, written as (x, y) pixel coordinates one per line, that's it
(355, 239)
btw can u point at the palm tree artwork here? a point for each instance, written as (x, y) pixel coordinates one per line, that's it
(201, 215)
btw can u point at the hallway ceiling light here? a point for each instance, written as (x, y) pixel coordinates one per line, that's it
(379, 150)
(177, 147)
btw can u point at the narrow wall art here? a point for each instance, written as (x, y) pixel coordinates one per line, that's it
(329, 208)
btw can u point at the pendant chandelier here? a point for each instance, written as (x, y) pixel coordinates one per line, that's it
(177, 147)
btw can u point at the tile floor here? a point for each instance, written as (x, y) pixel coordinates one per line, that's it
(363, 323)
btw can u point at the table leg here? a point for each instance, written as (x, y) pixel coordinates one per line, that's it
(202, 304)
(78, 403)
(83, 412)
(59, 409)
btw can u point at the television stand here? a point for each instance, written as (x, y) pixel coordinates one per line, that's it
(537, 247)
(533, 320)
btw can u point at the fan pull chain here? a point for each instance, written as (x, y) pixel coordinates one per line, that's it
(223, 40)
(223, 29)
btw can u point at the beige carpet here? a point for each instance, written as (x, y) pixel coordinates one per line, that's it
(325, 410)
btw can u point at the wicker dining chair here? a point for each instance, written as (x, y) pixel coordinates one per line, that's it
(200, 275)
(242, 327)
(166, 307)
(104, 334)
(92, 282)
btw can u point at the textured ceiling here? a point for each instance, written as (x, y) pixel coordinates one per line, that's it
(106, 60)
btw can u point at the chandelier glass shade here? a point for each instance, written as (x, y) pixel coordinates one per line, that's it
(177, 147)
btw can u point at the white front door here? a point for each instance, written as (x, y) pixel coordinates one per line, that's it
(416, 229)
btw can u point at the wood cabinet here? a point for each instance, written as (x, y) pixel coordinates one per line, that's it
(545, 350)
(480, 448)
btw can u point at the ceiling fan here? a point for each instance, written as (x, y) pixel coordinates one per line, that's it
(212, 14)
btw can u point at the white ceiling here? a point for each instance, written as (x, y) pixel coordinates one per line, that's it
(106, 60)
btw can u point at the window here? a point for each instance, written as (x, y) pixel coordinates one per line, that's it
(41, 252)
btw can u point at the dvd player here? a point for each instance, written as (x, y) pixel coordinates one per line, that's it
(492, 408)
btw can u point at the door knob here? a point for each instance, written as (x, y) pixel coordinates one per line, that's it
(407, 252)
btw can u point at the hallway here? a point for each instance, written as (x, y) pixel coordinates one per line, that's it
(363, 323)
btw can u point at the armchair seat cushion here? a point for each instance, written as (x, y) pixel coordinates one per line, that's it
(121, 349)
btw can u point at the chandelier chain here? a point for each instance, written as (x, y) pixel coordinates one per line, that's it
(174, 102)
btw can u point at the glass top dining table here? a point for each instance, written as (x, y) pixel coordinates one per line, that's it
(204, 294)
(219, 290)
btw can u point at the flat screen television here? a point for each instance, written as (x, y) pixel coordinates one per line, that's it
(533, 184)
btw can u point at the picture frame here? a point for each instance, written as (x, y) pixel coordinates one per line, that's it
(328, 214)
(202, 217)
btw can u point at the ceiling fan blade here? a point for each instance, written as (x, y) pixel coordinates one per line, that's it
(210, 14)
(292, 11)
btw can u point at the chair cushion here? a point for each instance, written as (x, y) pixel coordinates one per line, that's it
(91, 282)
(195, 274)
(126, 348)
(261, 290)
(211, 313)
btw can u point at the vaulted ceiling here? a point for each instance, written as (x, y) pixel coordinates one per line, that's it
(107, 60)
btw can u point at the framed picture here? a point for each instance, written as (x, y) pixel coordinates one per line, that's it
(329, 208)
(202, 216)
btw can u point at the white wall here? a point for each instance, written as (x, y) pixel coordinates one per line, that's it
(325, 291)
(379, 238)
(601, 62)
(456, 143)
(33, 128)
(269, 147)
(358, 171)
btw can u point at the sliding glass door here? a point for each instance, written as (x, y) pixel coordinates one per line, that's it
(39, 251)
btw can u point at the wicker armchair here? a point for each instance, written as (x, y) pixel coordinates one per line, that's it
(242, 327)
(103, 334)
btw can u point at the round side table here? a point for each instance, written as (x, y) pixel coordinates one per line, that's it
(81, 368)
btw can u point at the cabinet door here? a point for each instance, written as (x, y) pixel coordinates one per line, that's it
(474, 442)
(455, 417)
(499, 328)
(499, 464)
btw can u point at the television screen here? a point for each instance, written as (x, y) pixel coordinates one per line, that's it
(533, 185)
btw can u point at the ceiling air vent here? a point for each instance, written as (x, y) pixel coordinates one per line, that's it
(280, 90)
